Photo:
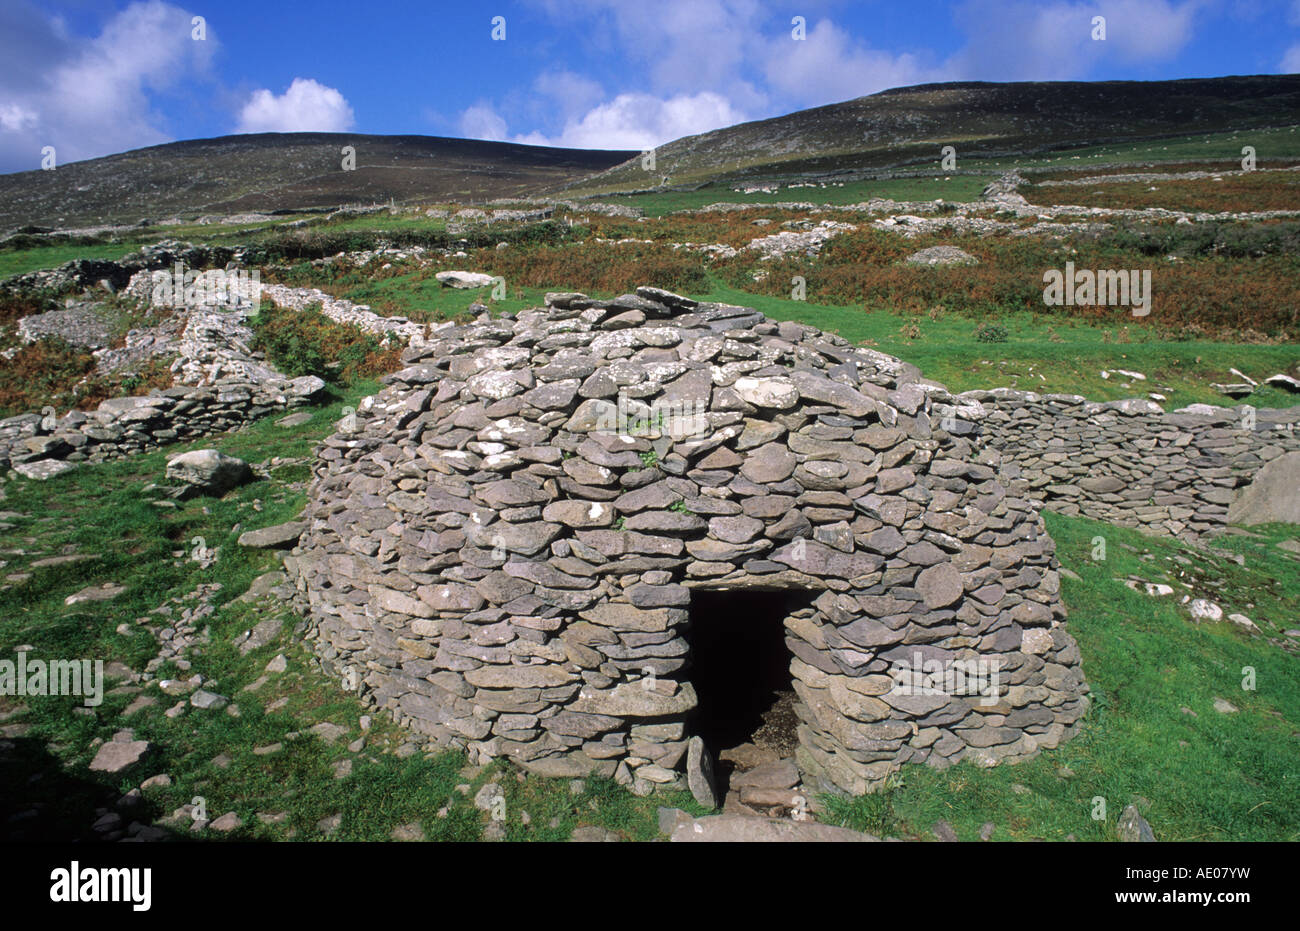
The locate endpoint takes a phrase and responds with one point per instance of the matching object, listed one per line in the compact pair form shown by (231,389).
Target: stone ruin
(520,546)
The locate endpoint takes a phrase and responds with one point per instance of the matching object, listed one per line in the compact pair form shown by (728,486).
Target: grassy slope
(1279,143)
(906,127)
(1270,145)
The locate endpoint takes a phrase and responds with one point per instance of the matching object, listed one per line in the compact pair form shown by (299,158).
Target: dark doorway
(740,667)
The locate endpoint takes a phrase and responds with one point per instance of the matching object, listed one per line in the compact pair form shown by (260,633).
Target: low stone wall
(1128,462)
(220,385)
(39,446)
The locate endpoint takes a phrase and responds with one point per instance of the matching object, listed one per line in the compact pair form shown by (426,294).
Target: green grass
(956,188)
(21,261)
(1280,143)
(1196,777)
(425,300)
(947,351)
(104,510)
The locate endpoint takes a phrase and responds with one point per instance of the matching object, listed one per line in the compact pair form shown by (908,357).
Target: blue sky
(92,77)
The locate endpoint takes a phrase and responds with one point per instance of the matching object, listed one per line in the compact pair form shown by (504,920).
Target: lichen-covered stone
(505,543)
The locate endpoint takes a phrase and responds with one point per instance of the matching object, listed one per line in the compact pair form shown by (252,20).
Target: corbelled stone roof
(502,545)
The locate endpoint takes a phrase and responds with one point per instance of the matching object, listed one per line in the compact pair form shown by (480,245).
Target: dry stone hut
(595,537)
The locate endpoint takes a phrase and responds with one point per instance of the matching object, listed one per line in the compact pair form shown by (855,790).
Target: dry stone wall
(1128,462)
(219,385)
(502,545)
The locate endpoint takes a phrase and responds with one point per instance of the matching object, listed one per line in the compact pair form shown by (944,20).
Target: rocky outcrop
(502,546)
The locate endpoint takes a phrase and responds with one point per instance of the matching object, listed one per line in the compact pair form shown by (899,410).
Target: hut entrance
(740,667)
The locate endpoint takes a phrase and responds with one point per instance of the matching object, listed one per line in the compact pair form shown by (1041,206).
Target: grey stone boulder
(942,255)
(43,469)
(306,387)
(294,420)
(1133,828)
(699,773)
(204,699)
(208,472)
(280,536)
(1285,382)
(1273,496)
(117,755)
(458,279)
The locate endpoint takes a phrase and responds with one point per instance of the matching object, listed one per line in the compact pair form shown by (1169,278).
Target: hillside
(907,126)
(283,171)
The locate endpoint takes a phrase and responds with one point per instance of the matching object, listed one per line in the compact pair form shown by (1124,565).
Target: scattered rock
(226,823)
(206,700)
(1133,828)
(590,834)
(280,536)
(943,831)
(117,755)
(459,279)
(410,831)
(106,591)
(208,472)
(942,255)
(43,469)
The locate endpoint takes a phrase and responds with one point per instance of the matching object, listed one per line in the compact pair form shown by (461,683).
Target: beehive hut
(584,535)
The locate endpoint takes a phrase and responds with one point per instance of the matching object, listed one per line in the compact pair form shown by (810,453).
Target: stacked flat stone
(499,557)
(220,385)
(127,426)
(1129,462)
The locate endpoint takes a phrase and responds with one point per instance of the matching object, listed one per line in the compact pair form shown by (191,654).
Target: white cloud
(482,122)
(681,46)
(1291,60)
(642,121)
(307,106)
(828,66)
(714,63)
(87,97)
(15,118)
(1031,41)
